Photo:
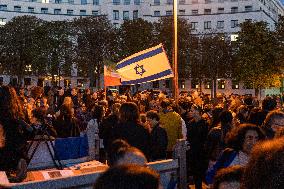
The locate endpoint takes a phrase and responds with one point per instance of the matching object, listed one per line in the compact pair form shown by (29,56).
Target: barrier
(168,169)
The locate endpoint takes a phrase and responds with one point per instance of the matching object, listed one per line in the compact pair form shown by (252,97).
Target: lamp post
(175,47)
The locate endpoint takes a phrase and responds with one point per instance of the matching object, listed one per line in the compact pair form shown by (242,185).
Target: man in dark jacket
(158,135)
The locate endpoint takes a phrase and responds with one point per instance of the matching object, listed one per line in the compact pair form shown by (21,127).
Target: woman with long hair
(15,133)
(130,129)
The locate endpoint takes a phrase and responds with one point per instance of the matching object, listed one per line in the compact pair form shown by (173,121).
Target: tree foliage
(96,42)
(257,55)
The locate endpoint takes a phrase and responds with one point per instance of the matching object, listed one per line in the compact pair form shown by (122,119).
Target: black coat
(158,143)
(135,134)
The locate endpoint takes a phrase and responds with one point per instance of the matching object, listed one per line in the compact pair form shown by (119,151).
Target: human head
(228,178)
(265,169)
(269,103)
(128,177)
(10,106)
(115,108)
(121,153)
(128,112)
(274,120)
(98,112)
(153,118)
(165,104)
(68,101)
(245,137)
(226,117)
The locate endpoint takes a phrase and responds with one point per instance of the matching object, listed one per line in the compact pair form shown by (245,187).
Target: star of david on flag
(148,65)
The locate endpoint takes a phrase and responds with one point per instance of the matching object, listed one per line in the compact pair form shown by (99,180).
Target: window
(71,1)
(181,12)
(169,13)
(156,2)
(234,0)
(181,84)
(181,2)
(234,37)
(169,2)
(95,13)
(234,23)
(235,84)
(83,12)
(155,84)
(135,14)
(234,9)
(194,1)
(248,8)
(193,25)
(220,10)
(194,84)
(116,2)
(27,81)
(126,2)
(116,15)
(207,84)
(194,12)
(220,24)
(125,15)
(167,83)
(207,25)
(31,9)
(157,13)
(44,1)
(116,25)
(32,0)
(221,83)
(17,8)
(83,2)
(58,1)
(44,10)
(3,7)
(57,11)
(248,20)
(3,21)
(96,2)
(70,12)
(221,1)
(136,2)
(207,1)
(207,11)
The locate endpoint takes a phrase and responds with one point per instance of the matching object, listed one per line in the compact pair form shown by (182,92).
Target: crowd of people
(234,141)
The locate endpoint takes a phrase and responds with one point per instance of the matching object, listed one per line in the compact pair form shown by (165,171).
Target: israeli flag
(148,65)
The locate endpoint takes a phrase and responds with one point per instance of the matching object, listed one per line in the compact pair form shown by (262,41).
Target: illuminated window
(3,21)
(234,37)
(221,84)
(235,84)
(194,84)
(181,84)
(45,1)
(207,84)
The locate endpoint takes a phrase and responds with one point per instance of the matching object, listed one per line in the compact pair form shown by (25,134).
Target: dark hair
(129,112)
(236,137)
(216,116)
(165,103)
(265,168)
(10,105)
(226,117)
(128,177)
(229,174)
(269,103)
(153,115)
(271,116)
(98,112)
(65,112)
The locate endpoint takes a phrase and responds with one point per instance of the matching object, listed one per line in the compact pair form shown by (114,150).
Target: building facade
(205,16)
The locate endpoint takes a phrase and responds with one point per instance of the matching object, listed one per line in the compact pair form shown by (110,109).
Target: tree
(164,34)
(134,36)
(257,55)
(211,58)
(17,45)
(96,41)
(55,49)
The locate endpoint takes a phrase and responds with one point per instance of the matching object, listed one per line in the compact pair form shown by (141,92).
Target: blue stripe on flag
(140,57)
(148,78)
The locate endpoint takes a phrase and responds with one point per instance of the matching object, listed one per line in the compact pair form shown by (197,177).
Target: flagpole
(175,54)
